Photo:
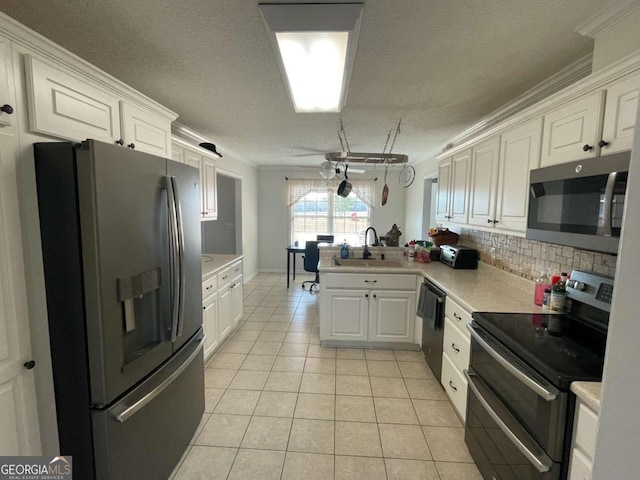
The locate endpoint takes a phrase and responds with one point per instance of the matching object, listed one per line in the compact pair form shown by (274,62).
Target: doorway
(429,204)
(224,235)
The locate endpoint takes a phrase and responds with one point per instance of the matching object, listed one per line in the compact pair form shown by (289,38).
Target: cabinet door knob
(602,143)
(366,295)
(6,108)
(489,220)
(132,145)
(375,296)
(587,147)
(120,142)
(495,221)
(30,364)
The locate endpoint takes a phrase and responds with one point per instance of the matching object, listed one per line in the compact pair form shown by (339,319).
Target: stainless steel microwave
(579,204)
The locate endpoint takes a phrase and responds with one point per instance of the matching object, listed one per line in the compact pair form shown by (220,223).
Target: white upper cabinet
(484,181)
(572,131)
(144,131)
(460,187)
(444,179)
(177,153)
(209,194)
(7,104)
(208,180)
(519,154)
(453,191)
(620,115)
(64,105)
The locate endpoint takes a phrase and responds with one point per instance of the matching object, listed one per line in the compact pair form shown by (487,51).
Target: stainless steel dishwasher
(431,310)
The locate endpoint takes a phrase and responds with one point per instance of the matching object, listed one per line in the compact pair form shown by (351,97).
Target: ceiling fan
(329,170)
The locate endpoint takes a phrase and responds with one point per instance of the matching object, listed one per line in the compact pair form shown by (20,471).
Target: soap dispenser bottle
(344,251)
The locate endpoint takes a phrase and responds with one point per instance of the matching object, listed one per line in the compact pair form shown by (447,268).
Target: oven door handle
(541,461)
(547,392)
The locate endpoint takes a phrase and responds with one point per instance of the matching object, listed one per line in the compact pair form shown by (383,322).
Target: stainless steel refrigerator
(122,263)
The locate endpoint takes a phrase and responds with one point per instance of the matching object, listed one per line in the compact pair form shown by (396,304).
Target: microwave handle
(608,203)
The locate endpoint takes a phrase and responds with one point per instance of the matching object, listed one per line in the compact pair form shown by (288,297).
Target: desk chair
(325,238)
(311,258)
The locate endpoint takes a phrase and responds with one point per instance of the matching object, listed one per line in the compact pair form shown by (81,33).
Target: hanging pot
(385,189)
(344,189)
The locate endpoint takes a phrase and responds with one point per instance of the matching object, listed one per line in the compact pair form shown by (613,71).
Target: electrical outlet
(492,251)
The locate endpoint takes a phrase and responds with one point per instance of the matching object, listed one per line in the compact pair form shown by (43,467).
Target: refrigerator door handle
(174,261)
(181,259)
(139,405)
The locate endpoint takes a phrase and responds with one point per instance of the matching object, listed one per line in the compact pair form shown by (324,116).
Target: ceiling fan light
(327,173)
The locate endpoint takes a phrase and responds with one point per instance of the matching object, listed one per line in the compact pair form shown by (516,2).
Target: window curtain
(363,189)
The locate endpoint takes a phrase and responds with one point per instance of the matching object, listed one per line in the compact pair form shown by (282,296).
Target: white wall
(414,200)
(618,441)
(273,223)
(617,42)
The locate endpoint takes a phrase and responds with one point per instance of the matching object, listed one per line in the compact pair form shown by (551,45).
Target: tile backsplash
(528,257)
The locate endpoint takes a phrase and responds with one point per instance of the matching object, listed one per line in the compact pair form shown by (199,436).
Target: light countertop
(213,262)
(485,289)
(589,393)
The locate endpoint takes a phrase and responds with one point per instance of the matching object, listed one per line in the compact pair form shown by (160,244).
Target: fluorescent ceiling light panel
(317,44)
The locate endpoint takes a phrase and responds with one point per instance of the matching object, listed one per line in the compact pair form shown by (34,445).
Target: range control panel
(592,289)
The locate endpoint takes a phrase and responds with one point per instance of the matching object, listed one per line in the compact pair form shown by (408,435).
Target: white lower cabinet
(391,316)
(384,314)
(210,324)
(222,305)
(226,316)
(348,311)
(583,443)
(236,299)
(456,353)
(455,385)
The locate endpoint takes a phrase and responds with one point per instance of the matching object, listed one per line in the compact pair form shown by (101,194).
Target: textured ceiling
(440,65)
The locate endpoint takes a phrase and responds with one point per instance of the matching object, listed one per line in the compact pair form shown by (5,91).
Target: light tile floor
(279,406)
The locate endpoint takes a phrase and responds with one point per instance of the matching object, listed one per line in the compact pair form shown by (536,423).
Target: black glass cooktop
(560,348)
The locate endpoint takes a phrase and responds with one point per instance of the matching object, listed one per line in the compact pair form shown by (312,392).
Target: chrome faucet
(366,253)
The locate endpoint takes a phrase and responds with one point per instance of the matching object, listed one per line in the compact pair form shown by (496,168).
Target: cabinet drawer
(586,430)
(580,467)
(458,316)
(371,281)
(209,287)
(226,276)
(456,345)
(455,385)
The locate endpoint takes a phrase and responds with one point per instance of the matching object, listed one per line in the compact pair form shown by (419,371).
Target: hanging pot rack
(346,155)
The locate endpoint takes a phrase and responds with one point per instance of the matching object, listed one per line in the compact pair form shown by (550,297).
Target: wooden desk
(292,251)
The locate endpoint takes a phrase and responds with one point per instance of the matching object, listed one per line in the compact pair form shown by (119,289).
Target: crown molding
(558,81)
(605,19)
(597,80)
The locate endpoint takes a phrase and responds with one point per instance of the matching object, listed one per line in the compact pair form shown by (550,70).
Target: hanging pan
(344,189)
(385,189)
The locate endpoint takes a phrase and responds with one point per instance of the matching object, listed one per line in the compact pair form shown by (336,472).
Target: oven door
(537,405)
(500,446)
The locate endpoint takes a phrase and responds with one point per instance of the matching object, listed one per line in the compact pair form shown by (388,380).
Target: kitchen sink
(368,262)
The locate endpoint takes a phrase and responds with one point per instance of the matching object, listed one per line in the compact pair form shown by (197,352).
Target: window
(316,210)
